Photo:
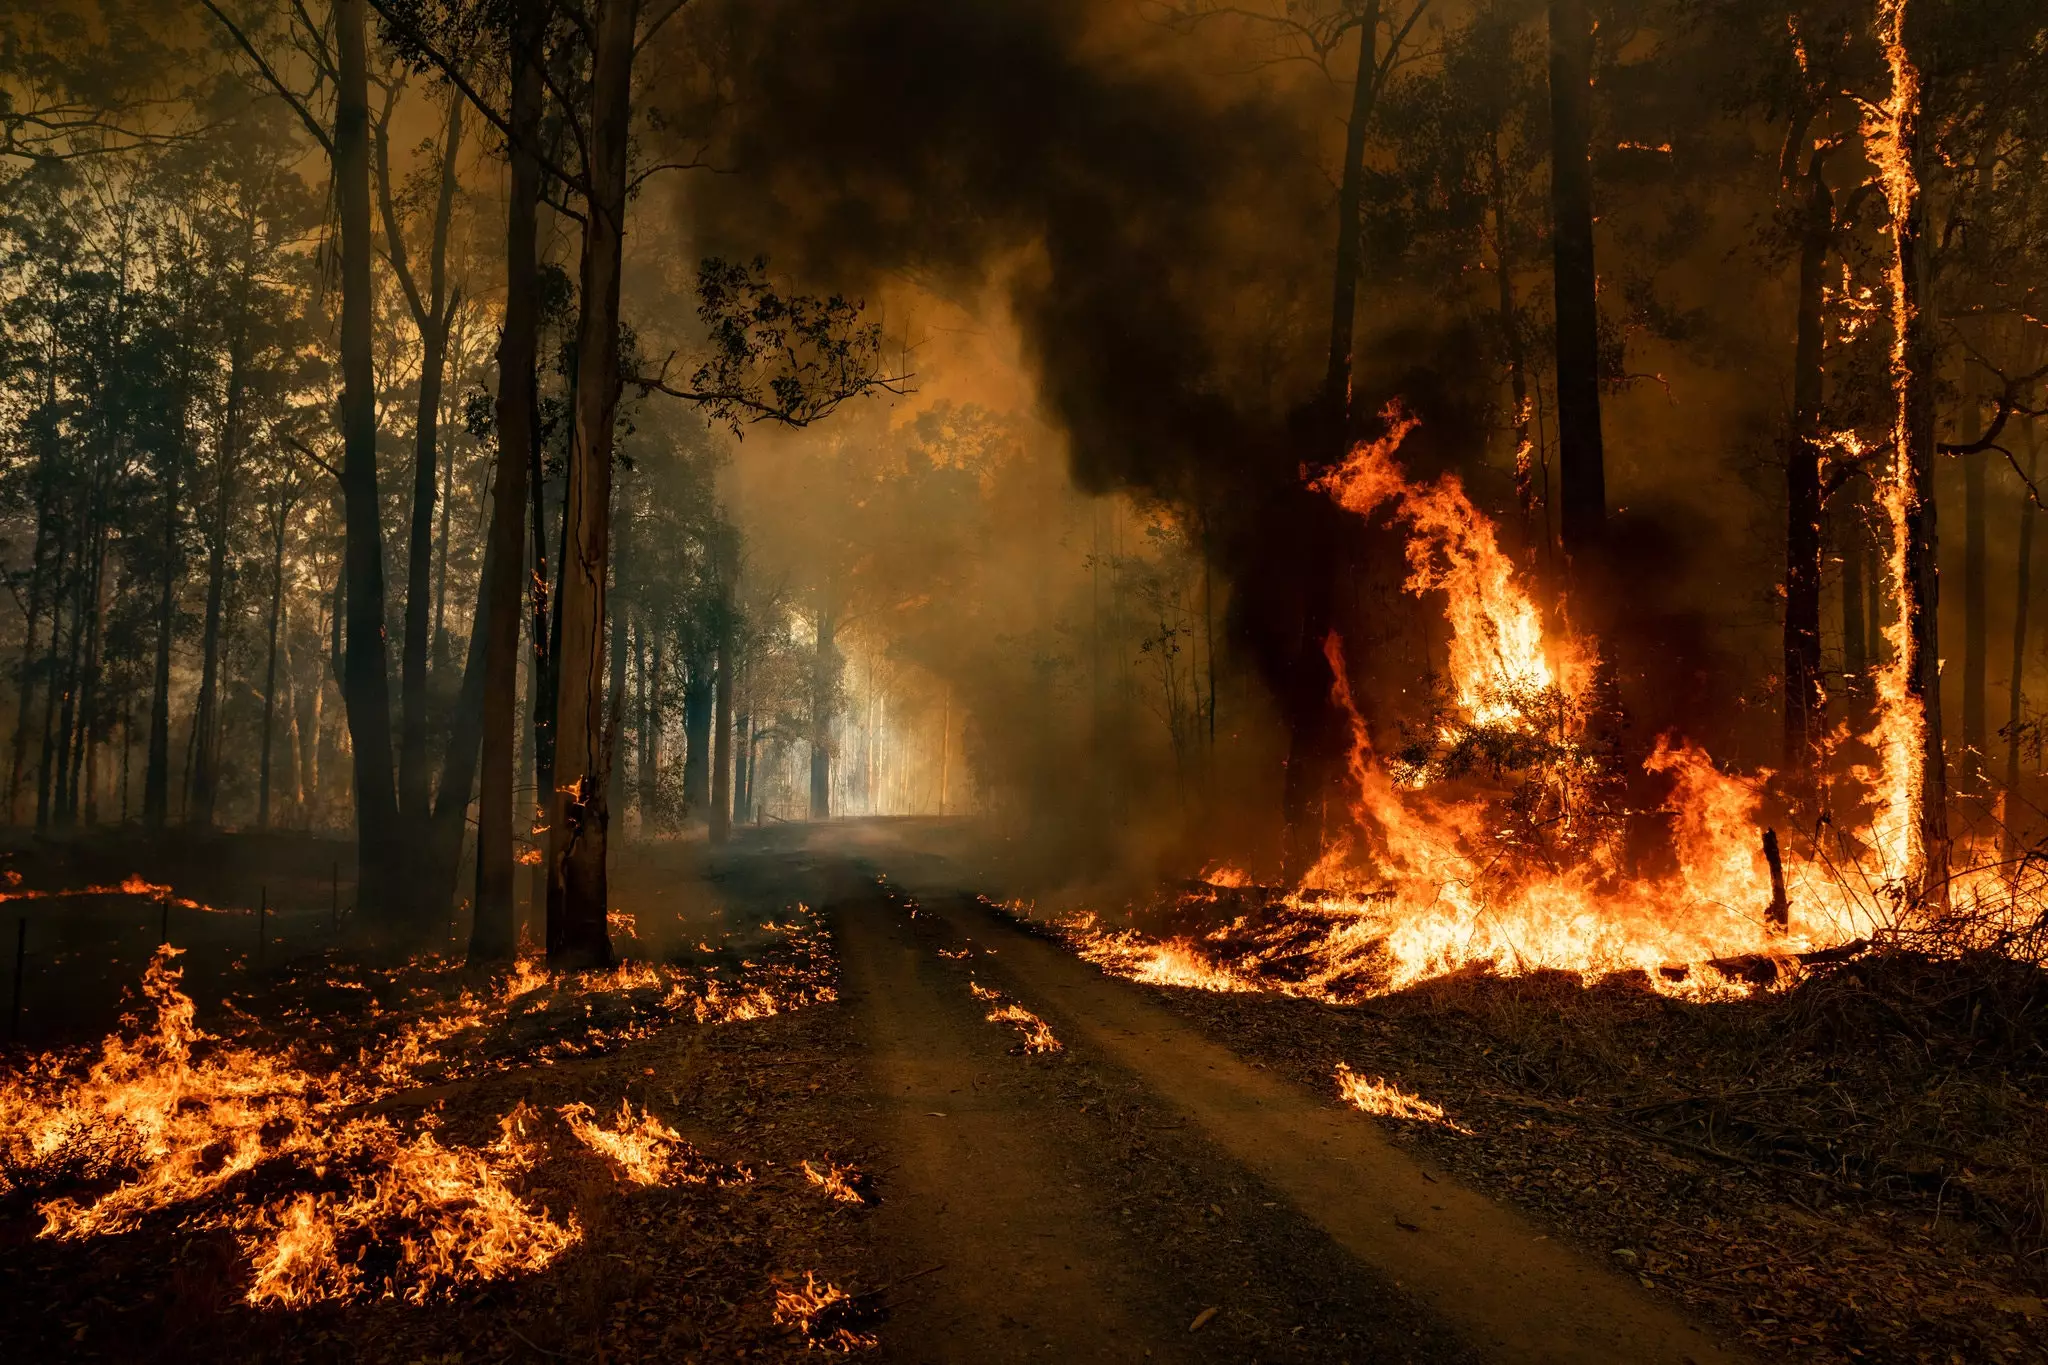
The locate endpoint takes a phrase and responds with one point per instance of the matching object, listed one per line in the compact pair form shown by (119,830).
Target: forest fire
(328,1198)
(1494,842)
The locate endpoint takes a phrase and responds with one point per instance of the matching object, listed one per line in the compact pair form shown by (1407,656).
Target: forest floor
(1022,1158)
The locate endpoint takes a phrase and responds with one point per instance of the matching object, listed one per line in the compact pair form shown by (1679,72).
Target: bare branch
(275,81)
(469,92)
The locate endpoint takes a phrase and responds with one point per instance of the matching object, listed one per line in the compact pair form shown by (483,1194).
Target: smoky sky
(1174,226)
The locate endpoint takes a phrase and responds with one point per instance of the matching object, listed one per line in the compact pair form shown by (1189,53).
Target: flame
(1383,1099)
(817,1311)
(1901,725)
(1448,865)
(1038,1037)
(841,1183)
(646,1150)
(1498,656)
(168,1118)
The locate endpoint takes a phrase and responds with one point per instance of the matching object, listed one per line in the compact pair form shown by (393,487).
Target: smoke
(1158,219)
(1163,238)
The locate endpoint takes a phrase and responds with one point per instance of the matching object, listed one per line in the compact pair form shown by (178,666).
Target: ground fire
(1000,680)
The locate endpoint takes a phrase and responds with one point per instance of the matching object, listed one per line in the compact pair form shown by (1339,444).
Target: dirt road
(1142,1193)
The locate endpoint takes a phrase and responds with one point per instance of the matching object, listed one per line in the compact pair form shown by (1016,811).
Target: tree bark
(577,934)
(494,926)
(1582,480)
(1805,710)
(366,688)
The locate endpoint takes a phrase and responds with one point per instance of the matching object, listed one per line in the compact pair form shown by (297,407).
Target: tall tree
(494,931)
(578,818)
(1582,478)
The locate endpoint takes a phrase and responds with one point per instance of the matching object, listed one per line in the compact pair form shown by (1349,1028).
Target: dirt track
(1098,1202)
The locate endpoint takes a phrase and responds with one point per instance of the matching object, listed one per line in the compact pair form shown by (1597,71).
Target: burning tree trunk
(494,927)
(1582,479)
(1916,779)
(578,818)
(1805,703)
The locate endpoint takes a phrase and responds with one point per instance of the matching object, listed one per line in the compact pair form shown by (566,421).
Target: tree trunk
(698,688)
(721,720)
(541,673)
(650,751)
(824,707)
(494,927)
(432,316)
(743,775)
(283,517)
(1310,715)
(206,767)
(577,933)
(25,677)
(366,688)
(1805,702)
(1856,626)
(615,690)
(1915,542)
(2022,586)
(1511,346)
(85,741)
(1582,480)
(643,728)
(440,851)
(1976,630)
(156,775)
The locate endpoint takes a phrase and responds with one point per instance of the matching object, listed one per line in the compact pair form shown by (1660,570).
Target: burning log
(1779,916)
